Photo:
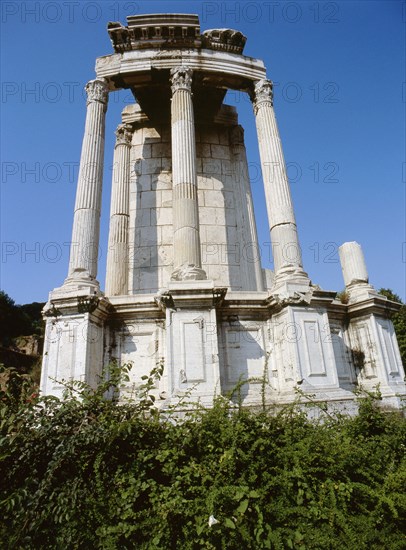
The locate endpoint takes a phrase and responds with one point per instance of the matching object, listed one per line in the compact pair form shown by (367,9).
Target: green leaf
(243,506)
(258,532)
(229,523)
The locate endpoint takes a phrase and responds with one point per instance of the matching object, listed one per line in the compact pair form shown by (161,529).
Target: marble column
(117,255)
(353,263)
(186,237)
(86,222)
(251,257)
(285,243)
(355,272)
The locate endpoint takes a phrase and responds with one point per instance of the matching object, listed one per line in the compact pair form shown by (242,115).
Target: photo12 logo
(67,12)
(270,12)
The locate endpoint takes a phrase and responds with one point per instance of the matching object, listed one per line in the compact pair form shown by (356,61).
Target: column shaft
(117,255)
(285,244)
(251,257)
(186,239)
(86,222)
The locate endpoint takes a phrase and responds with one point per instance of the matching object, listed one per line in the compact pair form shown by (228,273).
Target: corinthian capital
(97,90)
(263,92)
(123,134)
(181,78)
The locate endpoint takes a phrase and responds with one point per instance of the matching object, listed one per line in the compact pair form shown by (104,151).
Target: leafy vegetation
(21,336)
(18,320)
(91,472)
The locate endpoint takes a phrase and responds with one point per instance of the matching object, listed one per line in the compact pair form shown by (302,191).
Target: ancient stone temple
(184,286)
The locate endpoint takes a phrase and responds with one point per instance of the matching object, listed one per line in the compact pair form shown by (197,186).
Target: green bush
(16,320)
(90,472)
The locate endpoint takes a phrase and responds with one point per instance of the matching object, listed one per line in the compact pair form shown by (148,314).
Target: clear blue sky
(339,101)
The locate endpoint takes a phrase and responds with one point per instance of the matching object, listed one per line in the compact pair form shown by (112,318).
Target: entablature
(216,68)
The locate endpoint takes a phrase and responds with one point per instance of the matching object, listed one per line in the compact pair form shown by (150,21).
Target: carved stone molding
(155,31)
(123,134)
(237,135)
(277,302)
(88,304)
(164,300)
(181,78)
(219,295)
(228,40)
(263,92)
(97,90)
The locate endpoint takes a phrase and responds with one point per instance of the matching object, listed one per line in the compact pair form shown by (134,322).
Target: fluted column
(355,272)
(285,244)
(117,255)
(86,222)
(186,238)
(251,261)
(353,263)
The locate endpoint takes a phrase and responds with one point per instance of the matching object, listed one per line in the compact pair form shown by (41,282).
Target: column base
(289,280)
(188,272)
(359,292)
(79,282)
(290,272)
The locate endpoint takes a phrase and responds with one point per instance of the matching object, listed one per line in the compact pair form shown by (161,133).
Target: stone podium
(184,285)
